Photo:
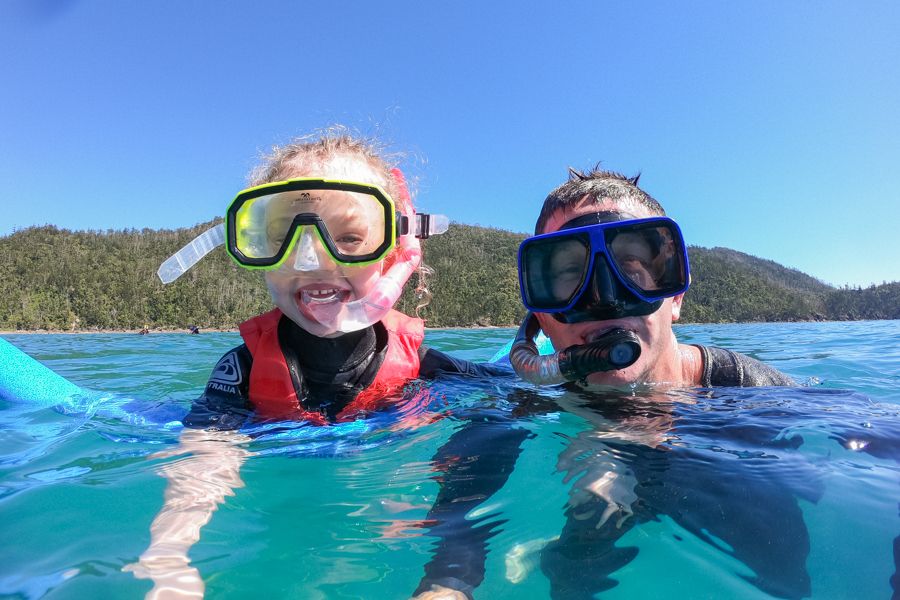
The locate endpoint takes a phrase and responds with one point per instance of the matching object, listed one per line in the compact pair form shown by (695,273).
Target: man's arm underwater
(471,467)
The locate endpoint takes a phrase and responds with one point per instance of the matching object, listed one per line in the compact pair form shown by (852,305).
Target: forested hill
(57,279)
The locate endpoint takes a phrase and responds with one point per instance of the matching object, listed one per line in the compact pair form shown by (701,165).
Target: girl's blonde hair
(308,155)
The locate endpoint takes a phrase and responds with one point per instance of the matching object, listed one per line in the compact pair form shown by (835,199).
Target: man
(604,259)
(604,277)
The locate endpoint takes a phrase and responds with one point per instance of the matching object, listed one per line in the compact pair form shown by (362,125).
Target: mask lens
(251,236)
(354,221)
(554,270)
(649,257)
(355,226)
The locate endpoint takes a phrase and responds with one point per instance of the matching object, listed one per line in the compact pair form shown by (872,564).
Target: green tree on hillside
(51,278)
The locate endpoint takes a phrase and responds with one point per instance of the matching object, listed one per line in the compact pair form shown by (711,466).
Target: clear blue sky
(770,127)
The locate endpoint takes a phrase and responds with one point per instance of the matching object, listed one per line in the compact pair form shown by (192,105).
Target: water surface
(341,515)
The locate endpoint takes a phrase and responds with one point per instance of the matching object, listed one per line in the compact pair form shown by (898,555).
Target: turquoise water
(718,491)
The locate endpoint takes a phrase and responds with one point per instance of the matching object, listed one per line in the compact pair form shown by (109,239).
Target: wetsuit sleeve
(434,362)
(225,402)
(725,368)
(472,466)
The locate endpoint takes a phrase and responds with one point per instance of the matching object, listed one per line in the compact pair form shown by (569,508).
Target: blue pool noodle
(25,380)
(543,343)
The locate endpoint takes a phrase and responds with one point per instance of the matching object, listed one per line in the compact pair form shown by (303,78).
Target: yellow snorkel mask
(356,223)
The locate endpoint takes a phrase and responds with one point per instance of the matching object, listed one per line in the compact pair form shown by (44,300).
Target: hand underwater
(173,577)
(600,474)
(439,592)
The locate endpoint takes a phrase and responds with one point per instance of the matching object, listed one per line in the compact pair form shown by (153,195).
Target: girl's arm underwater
(205,471)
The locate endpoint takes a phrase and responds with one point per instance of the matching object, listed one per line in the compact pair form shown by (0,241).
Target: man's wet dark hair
(599,184)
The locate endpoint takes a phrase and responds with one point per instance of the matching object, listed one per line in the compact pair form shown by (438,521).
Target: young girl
(332,226)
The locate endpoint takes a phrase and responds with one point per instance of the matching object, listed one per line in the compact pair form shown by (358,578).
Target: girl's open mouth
(321,302)
(323,295)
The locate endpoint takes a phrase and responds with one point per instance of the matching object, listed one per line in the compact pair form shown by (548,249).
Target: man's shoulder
(722,367)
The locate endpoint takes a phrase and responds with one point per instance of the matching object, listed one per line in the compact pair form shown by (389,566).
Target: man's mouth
(596,334)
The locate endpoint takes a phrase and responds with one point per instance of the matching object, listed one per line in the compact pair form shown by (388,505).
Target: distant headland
(59,280)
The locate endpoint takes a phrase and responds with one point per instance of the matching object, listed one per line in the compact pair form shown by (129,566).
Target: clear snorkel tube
(371,308)
(177,265)
(614,350)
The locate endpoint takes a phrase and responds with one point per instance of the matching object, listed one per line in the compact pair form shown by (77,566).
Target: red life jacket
(272,389)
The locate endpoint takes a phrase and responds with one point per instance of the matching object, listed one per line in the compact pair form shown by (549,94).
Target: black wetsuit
(333,372)
(724,368)
(759,517)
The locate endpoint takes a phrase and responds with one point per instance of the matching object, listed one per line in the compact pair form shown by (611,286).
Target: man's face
(658,344)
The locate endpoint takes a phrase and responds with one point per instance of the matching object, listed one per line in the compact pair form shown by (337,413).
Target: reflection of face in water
(355,222)
(639,259)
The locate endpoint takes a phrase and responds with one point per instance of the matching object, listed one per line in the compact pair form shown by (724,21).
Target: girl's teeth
(322,293)
(328,295)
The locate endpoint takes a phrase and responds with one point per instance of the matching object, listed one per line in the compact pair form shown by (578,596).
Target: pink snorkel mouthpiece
(371,308)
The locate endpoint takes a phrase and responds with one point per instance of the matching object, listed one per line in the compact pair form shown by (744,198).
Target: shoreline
(472,327)
(187,332)
(109,331)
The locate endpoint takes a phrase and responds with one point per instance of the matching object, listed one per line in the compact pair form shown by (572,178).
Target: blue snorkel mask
(600,266)
(597,267)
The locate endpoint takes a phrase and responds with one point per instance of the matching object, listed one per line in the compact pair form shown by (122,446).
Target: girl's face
(310,287)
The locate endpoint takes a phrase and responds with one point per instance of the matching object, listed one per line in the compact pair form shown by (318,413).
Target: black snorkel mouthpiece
(612,351)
